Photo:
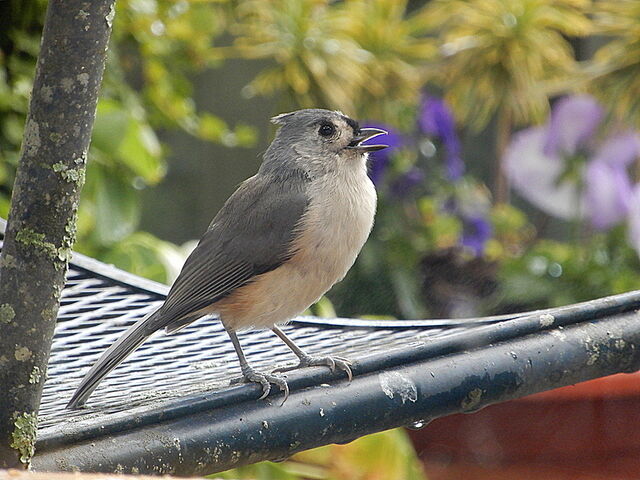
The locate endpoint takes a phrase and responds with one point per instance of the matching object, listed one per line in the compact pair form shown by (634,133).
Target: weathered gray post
(42,220)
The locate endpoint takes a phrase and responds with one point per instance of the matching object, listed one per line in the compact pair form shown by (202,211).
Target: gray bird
(284,238)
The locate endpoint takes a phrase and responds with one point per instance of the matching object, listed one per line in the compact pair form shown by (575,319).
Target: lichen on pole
(42,220)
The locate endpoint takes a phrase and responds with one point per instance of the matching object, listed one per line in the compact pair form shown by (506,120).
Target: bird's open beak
(363,135)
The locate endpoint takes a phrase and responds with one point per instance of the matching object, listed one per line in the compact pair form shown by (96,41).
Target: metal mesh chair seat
(170,407)
(95,311)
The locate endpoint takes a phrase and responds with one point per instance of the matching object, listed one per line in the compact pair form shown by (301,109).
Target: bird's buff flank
(284,238)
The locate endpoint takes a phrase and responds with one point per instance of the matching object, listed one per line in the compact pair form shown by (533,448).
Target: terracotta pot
(587,431)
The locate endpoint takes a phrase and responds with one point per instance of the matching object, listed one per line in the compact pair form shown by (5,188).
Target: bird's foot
(332,362)
(265,380)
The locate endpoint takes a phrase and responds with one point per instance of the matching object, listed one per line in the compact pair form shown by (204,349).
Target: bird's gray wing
(252,234)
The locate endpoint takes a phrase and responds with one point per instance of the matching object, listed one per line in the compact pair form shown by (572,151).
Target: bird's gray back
(252,234)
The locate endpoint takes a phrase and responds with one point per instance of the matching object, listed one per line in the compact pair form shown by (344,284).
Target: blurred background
(511,184)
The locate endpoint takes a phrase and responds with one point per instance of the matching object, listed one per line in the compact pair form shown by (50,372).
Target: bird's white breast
(337,224)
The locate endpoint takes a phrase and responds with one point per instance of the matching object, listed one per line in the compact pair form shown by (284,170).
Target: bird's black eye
(326,130)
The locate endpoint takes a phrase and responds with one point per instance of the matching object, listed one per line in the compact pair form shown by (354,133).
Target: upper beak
(365,134)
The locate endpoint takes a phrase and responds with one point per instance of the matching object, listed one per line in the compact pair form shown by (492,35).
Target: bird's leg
(250,375)
(309,361)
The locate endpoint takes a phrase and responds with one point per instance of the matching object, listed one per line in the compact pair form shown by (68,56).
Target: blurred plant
(398,51)
(388,455)
(498,55)
(445,251)
(512,47)
(352,55)
(469,201)
(156,45)
(437,121)
(315,65)
(570,172)
(616,65)
(552,273)
(497,60)
(575,168)
(340,55)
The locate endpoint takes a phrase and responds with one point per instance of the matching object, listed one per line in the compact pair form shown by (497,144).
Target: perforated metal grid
(95,310)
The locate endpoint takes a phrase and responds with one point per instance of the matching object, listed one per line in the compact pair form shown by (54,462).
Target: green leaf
(324,308)
(117,208)
(147,256)
(246,135)
(110,126)
(140,151)
(128,141)
(407,293)
(386,455)
(211,127)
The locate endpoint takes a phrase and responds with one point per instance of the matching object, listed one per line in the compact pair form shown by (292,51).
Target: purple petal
(573,121)
(535,175)
(407,182)
(634,219)
(435,117)
(437,120)
(475,233)
(379,161)
(393,138)
(608,193)
(455,166)
(377,168)
(619,150)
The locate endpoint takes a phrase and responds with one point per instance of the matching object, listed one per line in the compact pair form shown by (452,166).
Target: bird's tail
(113,356)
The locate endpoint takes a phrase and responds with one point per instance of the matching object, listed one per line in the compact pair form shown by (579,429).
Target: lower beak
(363,135)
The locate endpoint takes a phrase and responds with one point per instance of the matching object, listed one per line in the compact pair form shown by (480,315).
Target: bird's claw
(265,380)
(340,363)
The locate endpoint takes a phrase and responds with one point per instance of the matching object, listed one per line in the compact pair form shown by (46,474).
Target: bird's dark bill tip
(367,148)
(373,148)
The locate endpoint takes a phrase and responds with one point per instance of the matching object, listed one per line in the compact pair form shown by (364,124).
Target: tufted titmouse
(284,238)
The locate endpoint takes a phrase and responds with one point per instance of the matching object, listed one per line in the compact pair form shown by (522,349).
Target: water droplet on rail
(418,424)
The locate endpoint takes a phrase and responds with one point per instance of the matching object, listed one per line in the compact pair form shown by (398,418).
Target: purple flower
(476,230)
(608,188)
(573,121)
(471,205)
(607,195)
(437,120)
(619,150)
(634,219)
(380,160)
(541,164)
(407,182)
(537,176)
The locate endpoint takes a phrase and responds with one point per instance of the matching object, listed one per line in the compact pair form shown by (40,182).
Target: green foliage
(497,55)
(156,45)
(553,273)
(387,455)
(313,61)
(143,254)
(617,63)
(343,55)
